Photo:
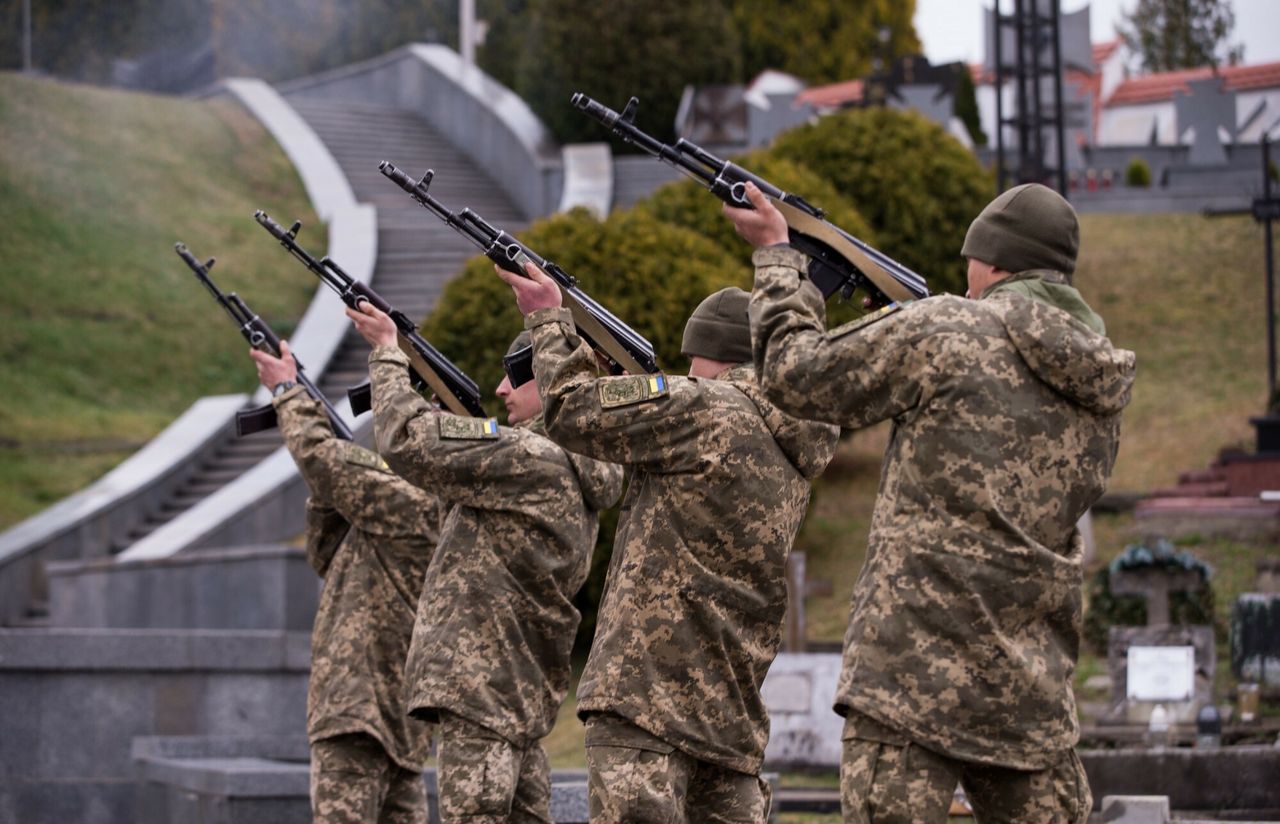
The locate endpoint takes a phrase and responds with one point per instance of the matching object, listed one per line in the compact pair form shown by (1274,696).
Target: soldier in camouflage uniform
(694,601)
(966,617)
(495,627)
(367,754)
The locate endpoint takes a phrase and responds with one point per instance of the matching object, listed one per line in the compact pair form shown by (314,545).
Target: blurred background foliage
(543,49)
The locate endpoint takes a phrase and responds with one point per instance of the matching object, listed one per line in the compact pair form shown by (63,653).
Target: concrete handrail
(484,119)
(102,512)
(588,178)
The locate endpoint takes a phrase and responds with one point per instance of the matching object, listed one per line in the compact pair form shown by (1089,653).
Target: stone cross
(1155,585)
(1208,108)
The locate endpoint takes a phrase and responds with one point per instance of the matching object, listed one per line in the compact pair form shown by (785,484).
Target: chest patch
(456,427)
(866,320)
(359,456)
(631,389)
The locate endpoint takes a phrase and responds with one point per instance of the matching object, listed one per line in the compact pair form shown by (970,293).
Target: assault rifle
(261,337)
(624,348)
(839,262)
(428,368)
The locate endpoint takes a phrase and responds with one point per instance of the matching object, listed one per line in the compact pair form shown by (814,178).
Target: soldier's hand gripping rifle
(428,368)
(839,262)
(623,347)
(261,337)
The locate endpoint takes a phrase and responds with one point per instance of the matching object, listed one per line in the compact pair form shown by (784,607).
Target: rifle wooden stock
(839,262)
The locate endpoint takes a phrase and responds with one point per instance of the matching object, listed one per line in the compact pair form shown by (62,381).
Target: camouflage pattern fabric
(637,778)
(695,596)
(965,621)
(484,779)
(354,782)
(496,622)
(885,779)
(372,582)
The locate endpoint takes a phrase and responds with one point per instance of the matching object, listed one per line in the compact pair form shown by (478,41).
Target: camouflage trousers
(485,779)
(637,778)
(354,781)
(886,779)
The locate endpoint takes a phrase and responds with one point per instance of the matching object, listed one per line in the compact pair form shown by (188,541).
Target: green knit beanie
(522,340)
(718,329)
(1028,227)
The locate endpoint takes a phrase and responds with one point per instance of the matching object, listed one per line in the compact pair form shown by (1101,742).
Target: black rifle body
(839,262)
(261,337)
(624,348)
(427,366)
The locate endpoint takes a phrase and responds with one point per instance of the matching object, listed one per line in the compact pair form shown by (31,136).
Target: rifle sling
(424,370)
(821,230)
(592,328)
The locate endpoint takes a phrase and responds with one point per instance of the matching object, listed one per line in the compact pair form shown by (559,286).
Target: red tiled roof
(833,95)
(1157,88)
(1102,51)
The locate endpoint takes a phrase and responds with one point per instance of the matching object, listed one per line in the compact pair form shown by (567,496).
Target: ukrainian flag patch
(456,427)
(631,389)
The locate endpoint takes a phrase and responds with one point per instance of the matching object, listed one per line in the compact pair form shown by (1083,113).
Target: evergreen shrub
(1137,173)
(917,185)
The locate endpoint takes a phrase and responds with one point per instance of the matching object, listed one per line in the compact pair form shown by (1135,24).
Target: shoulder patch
(359,456)
(632,389)
(457,427)
(867,319)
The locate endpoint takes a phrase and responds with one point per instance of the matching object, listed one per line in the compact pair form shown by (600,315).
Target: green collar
(1053,288)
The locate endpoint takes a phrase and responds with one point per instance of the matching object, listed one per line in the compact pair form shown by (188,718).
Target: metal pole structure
(1271,304)
(1036,30)
(998,28)
(467,32)
(1019,22)
(1055,9)
(26,35)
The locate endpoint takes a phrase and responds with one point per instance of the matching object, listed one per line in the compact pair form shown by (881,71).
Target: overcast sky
(952,29)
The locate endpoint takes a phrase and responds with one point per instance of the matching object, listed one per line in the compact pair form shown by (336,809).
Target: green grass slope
(105,335)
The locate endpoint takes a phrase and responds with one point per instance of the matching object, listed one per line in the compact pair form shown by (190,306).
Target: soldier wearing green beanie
(692,613)
(962,640)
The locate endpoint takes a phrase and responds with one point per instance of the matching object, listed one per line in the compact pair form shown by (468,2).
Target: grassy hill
(105,335)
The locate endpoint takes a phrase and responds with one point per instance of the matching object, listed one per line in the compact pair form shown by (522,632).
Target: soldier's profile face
(979,275)
(523,402)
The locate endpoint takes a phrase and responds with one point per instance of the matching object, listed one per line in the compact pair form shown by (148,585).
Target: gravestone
(1161,663)
(1208,109)
(1255,628)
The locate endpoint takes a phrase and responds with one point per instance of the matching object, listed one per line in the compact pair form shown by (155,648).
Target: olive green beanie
(522,340)
(718,329)
(1028,227)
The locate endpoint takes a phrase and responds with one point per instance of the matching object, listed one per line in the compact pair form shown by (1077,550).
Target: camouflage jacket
(496,623)
(372,580)
(695,597)
(965,619)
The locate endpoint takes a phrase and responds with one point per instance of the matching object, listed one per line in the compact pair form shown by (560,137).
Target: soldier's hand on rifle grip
(374,325)
(537,291)
(762,226)
(272,370)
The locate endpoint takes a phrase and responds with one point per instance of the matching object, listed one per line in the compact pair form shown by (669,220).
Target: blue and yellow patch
(632,389)
(456,427)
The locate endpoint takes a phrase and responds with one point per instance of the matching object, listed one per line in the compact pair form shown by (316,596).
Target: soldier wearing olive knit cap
(965,624)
